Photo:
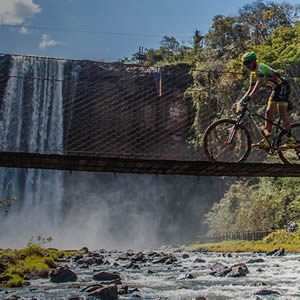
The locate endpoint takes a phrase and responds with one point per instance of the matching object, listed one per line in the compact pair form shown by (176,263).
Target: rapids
(184,279)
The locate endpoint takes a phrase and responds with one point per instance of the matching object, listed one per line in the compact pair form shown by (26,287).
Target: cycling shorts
(280,95)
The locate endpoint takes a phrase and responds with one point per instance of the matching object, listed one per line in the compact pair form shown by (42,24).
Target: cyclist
(260,75)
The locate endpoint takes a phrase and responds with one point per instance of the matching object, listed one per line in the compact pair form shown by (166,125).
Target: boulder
(219,270)
(62,274)
(238,270)
(84,250)
(154,254)
(5,278)
(92,287)
(266,293)
(139,257)
(122,289)
(12,297)
(106,276)
(90,261)
(167,258)
(276,252)
(255,260)
(186,276)
(77,256)
(132,265)
(109,292)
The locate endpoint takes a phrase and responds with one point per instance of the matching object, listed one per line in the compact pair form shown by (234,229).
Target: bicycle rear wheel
(225,141)
(292,155)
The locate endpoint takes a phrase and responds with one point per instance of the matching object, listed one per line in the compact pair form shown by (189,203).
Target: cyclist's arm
(246,96)
(253,88)
(256,87)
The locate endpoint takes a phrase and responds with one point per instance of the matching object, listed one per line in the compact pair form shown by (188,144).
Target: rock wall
(121,110)
(111,109)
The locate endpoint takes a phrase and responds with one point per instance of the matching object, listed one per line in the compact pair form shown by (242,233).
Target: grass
(32,261)
(279,239)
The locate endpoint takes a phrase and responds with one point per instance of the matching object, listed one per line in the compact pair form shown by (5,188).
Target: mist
(111,211)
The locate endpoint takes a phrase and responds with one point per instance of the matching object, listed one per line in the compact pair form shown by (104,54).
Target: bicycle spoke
(225,141)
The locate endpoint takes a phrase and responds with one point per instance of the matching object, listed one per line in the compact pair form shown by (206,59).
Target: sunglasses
(248,62)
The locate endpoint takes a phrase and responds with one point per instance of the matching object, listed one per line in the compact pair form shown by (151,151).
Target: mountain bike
(229,140)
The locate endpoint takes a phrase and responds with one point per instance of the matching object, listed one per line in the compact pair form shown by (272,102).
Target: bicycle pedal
(260,147)
(293,147)
(255,147)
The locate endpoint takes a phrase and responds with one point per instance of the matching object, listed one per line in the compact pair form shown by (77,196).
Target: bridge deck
(143,166)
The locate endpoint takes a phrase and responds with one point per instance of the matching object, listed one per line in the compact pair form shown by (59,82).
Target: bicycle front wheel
(290,155)
(226,141)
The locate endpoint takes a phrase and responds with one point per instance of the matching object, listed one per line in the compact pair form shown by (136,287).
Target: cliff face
(61,106)
(5,64)
(107,109)
(124,110)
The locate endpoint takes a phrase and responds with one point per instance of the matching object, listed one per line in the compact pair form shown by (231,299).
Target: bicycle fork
(233,132)
(232,136)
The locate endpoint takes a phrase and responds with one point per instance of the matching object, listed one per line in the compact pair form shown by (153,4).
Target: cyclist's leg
(283,113)
(284,116)
(282,98)
(270,114)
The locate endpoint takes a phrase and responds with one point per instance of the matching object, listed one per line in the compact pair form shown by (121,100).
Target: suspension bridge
(107,117)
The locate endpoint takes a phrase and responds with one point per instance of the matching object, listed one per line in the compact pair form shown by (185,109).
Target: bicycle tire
(214,142)
(290,156)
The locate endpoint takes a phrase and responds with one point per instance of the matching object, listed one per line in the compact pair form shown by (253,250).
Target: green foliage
(227,36)
(169,43)
(33,261)
(279,239)
(273,32)
(269,203)
(262,18)
(39,241)
(283,237)
(5,204)
(197,40)
(16,281)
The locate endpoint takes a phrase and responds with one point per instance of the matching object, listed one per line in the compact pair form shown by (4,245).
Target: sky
(106,30)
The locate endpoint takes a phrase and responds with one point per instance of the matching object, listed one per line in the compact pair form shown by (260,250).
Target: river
(185,278)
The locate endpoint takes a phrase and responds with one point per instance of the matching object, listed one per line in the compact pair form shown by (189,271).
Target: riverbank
(20,265)
(290,241)
(163,274)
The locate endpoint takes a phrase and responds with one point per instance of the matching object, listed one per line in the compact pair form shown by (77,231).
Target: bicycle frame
(231,140)
(251,115)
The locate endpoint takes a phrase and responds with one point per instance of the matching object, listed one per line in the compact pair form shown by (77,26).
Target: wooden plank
(143,166)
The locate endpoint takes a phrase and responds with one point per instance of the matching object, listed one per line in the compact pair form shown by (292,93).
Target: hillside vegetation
(34,261)
(272,30)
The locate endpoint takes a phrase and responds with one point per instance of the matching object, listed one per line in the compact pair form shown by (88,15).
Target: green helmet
(249,56)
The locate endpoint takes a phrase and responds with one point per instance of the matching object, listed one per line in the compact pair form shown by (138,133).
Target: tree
(270,202)
(227,36)
(169,43)
(262,18)
(197,39)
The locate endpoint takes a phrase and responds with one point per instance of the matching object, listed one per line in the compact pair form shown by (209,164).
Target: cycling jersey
(271,77)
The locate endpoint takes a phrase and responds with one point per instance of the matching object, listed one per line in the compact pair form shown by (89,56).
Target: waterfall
(31,120)
(43,102)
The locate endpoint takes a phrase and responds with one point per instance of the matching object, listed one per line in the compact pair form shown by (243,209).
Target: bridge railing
(244,235)
(55,106)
